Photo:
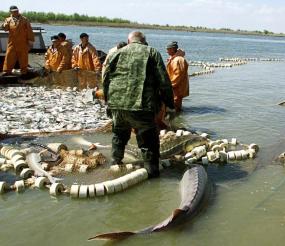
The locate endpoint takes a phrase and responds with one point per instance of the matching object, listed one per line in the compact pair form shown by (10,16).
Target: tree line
(43,17)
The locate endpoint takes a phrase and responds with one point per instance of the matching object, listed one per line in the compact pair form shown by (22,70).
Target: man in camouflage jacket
(135,85)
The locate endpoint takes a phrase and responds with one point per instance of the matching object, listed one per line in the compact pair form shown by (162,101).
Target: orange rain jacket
(20,36)
(57,59)
(86,59)
(68,46)
(177,68)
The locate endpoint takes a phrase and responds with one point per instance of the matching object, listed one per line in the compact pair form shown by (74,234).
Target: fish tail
(112,236)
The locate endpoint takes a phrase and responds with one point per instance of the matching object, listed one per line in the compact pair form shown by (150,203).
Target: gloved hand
(170,113)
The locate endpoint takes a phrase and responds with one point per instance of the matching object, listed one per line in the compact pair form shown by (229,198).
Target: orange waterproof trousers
(12,56)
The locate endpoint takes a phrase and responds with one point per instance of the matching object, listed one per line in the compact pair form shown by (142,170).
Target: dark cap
(82,35)
(61,35)
(13,8)
(54,38)
(172,44)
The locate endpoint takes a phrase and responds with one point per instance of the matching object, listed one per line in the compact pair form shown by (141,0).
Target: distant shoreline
(161,27)
(85,20)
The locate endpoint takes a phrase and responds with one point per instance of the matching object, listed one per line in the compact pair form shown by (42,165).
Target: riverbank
(165,27)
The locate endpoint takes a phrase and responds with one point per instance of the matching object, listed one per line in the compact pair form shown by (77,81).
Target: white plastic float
(41,182)
(100,190)
(19,185)
(74,191)
(83,191)
(91,191)
(109,187)
(56,189)
(217,151)
(27,173)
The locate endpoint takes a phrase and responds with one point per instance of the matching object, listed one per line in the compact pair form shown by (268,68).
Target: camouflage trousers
(146,134)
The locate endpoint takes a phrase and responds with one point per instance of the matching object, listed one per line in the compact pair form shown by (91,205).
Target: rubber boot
(151,163)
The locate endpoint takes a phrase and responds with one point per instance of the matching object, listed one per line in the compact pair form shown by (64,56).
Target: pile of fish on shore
(43,109)
(36,110)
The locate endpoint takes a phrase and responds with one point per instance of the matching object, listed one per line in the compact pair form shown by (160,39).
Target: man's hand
(6,25)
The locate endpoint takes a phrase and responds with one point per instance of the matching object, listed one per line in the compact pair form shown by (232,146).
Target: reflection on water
(241,102)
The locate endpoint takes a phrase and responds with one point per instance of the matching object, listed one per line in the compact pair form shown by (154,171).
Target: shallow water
(248,205)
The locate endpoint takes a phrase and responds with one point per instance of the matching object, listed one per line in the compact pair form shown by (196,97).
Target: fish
(172,145)
(24,110)
(195,190)
(33,159)
(181,144)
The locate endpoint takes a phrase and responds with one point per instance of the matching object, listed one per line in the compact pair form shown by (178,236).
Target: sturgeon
(175,145)
(181,144)
(195,190)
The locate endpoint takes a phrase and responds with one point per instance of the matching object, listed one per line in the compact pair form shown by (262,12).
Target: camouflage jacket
(135,79)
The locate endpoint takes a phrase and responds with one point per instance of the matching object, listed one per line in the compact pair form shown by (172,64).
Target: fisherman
(135,83)
(67,45)
(177,68)
(85,56)
(20,41)
(112,50)
(56,56)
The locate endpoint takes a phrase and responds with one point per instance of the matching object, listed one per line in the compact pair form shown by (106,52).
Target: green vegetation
(77,19)
(50,17)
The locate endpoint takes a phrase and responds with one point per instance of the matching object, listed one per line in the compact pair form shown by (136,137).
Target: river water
(247,207)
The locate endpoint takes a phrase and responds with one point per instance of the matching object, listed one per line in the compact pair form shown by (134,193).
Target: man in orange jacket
(67,45)
(85,56)
(177,68)
(21,38)
(56,57)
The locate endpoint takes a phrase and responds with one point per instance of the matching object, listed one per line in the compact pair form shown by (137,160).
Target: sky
(235,14)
